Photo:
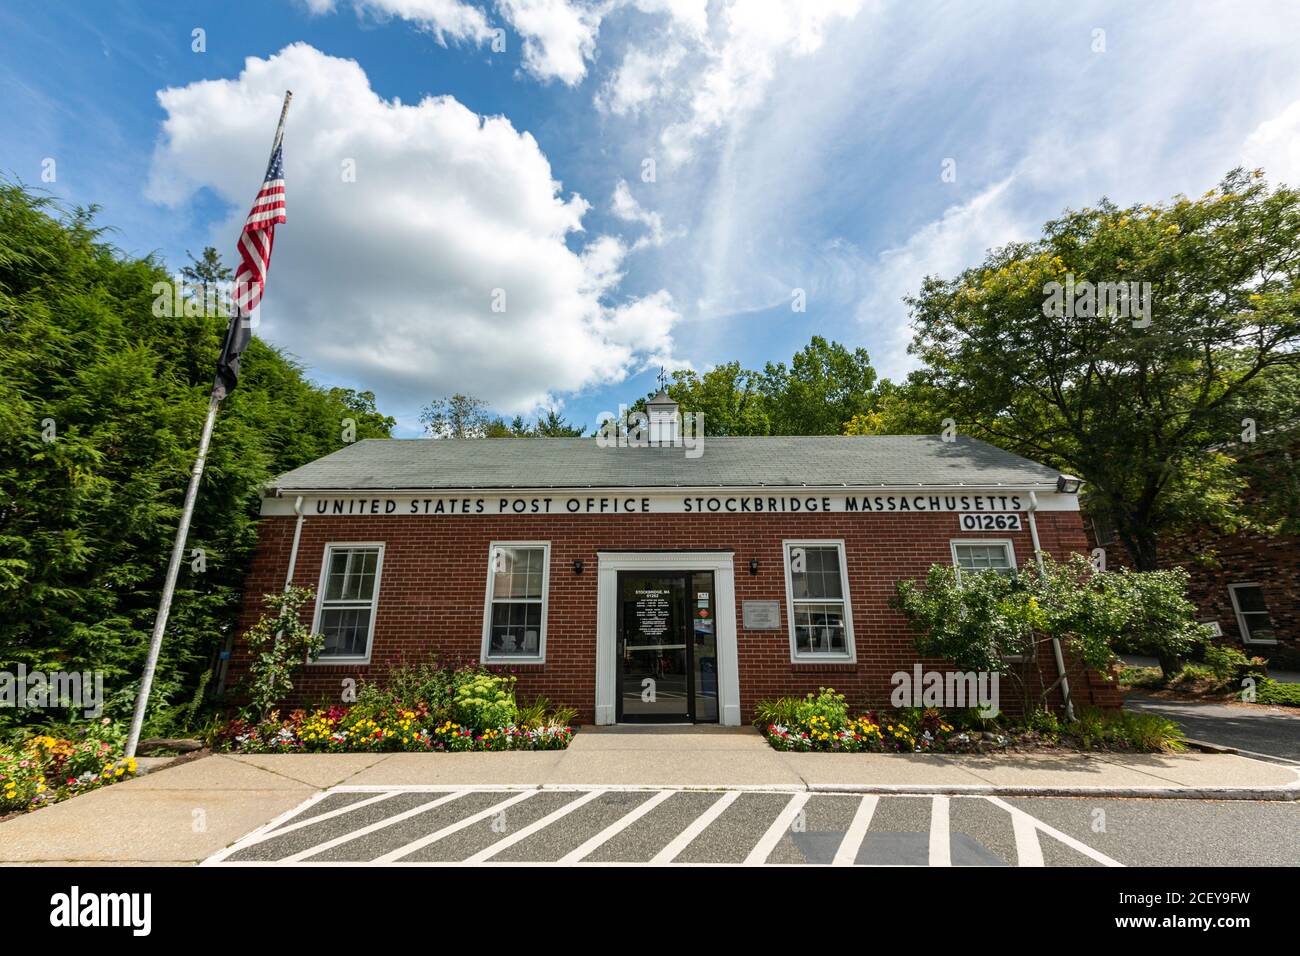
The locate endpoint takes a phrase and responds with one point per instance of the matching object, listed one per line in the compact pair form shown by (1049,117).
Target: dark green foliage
(101,405)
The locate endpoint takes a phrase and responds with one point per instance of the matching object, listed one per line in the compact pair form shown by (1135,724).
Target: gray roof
(815,461)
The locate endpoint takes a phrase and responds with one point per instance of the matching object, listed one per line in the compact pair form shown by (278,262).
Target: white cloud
(946,246)
(559,36)
(442,18)
(641,79)
(1274,145)
(756,34)
(645,327)
(626,207)
(389,279)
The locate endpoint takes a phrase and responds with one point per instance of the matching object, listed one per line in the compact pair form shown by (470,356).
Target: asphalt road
(1253,728)
(589,826)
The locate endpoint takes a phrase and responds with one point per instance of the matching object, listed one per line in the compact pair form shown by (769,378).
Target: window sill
(340,662)
(805,665)
(508,662)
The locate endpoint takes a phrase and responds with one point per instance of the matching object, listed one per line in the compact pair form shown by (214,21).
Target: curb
(1286,792)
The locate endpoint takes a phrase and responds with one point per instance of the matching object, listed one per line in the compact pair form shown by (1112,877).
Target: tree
(1127,346)
(460,416)
(553,425)
(101,405)
(464,416)
(825,386)
(210,275)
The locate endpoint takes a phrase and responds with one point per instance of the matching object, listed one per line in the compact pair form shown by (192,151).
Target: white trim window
(347,601)
(987,554)
(1253,621)
(514,613)
(983,554)
(817,601)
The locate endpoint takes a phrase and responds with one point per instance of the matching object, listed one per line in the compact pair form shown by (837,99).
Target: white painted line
(684,838)
(614,829)
(503,844)
(852,842)
(371,828)
(289,828)
(1028,850)
(940,848)
(780,826)
(448,830)
(1065,838)
(253,837)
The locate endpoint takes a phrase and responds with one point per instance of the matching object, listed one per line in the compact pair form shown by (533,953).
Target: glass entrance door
(667,647)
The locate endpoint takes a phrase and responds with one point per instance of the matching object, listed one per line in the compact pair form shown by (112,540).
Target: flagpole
(173,569)
(187,514)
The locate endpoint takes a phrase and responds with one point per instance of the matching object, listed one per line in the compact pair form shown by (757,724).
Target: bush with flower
(821,722)
(47,767)
(426,709)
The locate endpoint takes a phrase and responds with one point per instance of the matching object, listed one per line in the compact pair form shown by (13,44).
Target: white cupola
(665,420)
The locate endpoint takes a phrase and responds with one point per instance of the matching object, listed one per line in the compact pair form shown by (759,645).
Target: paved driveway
(411,826)
(1250,728)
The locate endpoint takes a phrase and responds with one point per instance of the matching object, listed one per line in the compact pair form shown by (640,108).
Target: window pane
(819,628)
(351,574)
(518,573)
(345,630)
(516,629)
(1251,599)
(1259,627)
(815,572)
(983,557)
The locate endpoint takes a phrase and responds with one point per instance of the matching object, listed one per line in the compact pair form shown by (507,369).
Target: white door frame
(609,563)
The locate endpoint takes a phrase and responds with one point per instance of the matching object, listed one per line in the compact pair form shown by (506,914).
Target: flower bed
(821,723)
(46,768)
(363,730)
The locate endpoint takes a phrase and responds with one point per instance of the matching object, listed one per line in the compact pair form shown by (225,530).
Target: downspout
(1062,679)
(288,582)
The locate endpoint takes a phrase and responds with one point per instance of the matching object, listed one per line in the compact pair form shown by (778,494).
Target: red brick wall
(1214,561)
(432,593)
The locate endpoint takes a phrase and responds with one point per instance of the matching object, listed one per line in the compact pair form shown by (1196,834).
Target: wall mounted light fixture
(577,565)
(753,565)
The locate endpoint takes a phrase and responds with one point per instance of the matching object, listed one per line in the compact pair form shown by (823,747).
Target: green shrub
(1269,691)
(783,711)
(826,705)
(1141,677)
(484,701)
(1126,730)
(280,644)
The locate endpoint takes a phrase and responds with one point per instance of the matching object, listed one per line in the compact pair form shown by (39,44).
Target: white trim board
(721,563)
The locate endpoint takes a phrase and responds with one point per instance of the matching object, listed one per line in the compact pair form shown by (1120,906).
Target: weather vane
(662,377)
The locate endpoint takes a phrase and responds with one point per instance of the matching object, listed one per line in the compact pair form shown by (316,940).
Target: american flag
(255,241)
(259,234)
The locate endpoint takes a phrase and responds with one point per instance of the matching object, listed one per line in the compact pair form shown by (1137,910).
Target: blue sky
(794,147)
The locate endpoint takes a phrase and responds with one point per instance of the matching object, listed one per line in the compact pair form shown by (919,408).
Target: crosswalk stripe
(940,846)
(532,828)
(767,843)
(683,839)
(451,828)
(847,854)
(1065,838)
(378,825)
(615,828)
(299,824)
(1028,850)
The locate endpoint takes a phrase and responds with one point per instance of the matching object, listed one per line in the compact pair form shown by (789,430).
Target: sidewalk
(186,813)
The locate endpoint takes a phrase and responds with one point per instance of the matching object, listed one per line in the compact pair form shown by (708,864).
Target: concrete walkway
(186,813)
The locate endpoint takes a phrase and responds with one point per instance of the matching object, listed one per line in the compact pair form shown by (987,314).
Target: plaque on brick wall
(761,615)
